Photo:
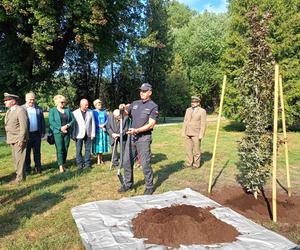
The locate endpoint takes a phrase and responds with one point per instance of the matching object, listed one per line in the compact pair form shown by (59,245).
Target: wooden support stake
(216,136)
(274,205)
(285,137)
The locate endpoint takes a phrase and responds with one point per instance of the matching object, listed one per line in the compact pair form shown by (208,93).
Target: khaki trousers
(19,154)
(193,153)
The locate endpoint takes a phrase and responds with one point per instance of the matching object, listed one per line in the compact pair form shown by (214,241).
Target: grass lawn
(36,214)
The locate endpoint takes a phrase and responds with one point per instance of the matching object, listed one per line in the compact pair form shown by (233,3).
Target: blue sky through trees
(216,6)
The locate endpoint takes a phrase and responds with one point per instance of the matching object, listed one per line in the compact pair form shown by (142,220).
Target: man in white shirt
(84,132)
(36,129)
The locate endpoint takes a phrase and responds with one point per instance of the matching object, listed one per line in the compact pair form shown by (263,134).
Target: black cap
(146,86)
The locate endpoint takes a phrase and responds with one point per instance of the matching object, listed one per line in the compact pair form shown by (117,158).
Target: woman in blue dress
(101,141)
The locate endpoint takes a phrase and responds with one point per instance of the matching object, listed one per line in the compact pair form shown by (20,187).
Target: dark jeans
(34,143)
(87,141)
(139,145)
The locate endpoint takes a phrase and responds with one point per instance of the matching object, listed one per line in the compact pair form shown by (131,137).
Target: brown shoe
(15,182)
(185,166)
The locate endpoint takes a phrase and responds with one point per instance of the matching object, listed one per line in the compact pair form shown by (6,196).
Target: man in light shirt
(36,129)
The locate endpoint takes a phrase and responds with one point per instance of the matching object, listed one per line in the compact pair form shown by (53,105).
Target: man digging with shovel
(113,129)
(144,114)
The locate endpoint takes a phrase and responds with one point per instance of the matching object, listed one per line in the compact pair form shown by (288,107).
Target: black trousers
(141,146)
(34,144)
(115,157)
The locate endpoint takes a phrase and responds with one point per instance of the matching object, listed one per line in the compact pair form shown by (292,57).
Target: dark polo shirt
(140,112)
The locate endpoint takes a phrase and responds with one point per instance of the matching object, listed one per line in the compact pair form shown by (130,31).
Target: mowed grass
(37,213)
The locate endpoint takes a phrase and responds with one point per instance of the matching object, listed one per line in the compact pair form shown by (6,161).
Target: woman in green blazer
(61,122)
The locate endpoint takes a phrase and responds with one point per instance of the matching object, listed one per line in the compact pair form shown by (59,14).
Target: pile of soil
(182,225)
(260,210)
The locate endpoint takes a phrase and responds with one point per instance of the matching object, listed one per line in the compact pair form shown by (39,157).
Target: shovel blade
(121,179)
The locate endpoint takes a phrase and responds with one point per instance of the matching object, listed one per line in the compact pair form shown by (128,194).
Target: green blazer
(55,122)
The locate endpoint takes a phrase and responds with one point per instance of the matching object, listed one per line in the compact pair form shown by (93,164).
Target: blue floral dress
(101,141)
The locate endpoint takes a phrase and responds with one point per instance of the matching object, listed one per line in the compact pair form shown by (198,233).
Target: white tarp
(107,224)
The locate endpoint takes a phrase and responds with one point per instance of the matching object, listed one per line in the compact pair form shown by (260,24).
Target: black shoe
(88,166)
(28,171)
(80,167)
(124,189)
(148,191)
(37,170)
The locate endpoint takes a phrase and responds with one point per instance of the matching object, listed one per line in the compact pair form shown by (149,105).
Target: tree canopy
(284,40)
(107,48)
(35,35)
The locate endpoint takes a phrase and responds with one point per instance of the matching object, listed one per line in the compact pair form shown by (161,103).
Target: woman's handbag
(50,138)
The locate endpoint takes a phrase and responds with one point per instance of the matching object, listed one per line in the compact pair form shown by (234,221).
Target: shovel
(120,176)
(113,153)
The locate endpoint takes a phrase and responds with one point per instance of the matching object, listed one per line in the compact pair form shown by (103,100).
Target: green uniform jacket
(16,124)
(194,123)
(55,122)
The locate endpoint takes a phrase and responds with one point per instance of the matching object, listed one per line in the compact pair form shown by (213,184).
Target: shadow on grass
(205,156)
(162,174)
(7,178)
(219,174)
(106,158)
(158,157)
(53,167)
(5,150)
(294,128)
(2,155)
(234,126)
(15,194)
(25,210)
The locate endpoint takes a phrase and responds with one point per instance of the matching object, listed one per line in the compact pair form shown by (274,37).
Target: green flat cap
(8,96)
(195,98)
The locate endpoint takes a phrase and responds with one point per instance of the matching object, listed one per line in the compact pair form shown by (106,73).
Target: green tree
(179,15)
(256,94)
(34,35)
(157,54)
(177,85)
(201,45)
(124,88)
(284,40)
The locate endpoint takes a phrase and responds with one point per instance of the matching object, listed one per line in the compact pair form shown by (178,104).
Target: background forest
(107,48)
